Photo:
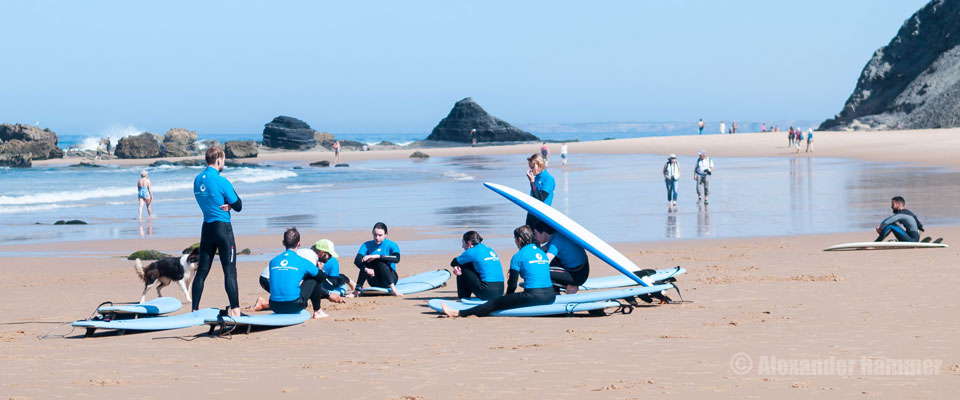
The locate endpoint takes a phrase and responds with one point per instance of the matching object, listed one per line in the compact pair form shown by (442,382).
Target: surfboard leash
(95,314)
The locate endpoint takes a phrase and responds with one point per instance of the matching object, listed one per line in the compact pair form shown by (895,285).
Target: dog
(161,273)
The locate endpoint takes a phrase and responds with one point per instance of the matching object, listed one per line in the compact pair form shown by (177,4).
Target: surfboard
(569,228)
(884,246)
(416,283)
(261,320)
(194,318)
(157,306)
(615,281)
(587,297)
(534,311)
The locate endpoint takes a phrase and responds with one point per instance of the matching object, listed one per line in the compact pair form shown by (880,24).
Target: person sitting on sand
(531,264)
(293,280)
(542,184)
(904,224)
(478,269)
(144,195)
(321,253)
(569,267)
(377,260)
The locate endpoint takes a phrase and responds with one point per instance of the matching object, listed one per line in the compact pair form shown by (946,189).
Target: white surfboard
(569,228)
(884,246)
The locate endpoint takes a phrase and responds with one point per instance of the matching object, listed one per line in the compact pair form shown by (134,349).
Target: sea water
(621,198)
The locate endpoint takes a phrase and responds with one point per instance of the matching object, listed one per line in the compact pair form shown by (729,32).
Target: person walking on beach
(530,263)
(700,126)
(798,139)
(216,197)
(723,128)
(569,266)
(336,152)
(701,175)
(542,184)
(473,136)
(671,174)
(563,153)
(144,195)
(478,269)
(904,224)
(545,152)
(734,127)
(790,137)
(377,260)
(809,141)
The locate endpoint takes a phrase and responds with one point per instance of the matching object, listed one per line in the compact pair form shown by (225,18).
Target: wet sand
(748,299)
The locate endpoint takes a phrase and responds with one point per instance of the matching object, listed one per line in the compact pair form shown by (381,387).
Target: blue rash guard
(485,262)
(532,264)
(570,254)
(385,248)
(212,191)
(544,182)
(286,272)
(332,267)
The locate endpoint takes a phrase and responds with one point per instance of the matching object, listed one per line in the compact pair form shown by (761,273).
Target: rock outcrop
(16,160)
(467,115)
(240,148)
(28,141)
(179,142)
(914,81)
(144,145)
(289,133)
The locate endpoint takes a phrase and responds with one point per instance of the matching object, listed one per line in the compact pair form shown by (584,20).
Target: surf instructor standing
(216,197)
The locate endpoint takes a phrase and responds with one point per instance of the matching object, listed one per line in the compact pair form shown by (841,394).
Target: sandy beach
(759,312)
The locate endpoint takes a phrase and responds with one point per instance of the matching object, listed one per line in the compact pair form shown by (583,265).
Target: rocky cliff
(289,133)
(467,115)
(914,81)
(29,141)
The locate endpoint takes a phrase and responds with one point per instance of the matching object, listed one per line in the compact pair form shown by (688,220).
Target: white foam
(457,176)
(309,187)
(255,175)
(115,133)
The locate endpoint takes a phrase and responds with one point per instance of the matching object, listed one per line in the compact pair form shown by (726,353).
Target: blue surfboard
(416,283)
(194,318)
(533,311)
(271,319)
(586,297)
(615,281)
(569,228)
(157,306)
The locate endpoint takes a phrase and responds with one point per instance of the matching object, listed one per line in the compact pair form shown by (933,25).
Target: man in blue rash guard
(216,197)
(377,260)
(478,269)
(569,266)
(294,280)
(904,224)
(542,184)
(531,264)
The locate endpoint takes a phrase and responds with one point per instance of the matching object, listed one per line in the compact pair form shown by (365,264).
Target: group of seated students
(294,277)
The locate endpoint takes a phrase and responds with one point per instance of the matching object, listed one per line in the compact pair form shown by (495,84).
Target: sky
(399,66)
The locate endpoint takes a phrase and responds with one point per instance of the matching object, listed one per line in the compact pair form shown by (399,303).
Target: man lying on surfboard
(904,224)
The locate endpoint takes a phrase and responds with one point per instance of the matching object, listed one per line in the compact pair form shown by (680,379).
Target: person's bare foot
(571,289)
(262,304)
(449,311)
(320,314)
(356,293)
(393,290)
(233,312)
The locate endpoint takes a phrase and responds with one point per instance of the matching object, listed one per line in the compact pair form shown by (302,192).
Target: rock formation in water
(144,145)
(20,144)
(289,133)
(914,81)
(179,142)
(467,115)
(240,148)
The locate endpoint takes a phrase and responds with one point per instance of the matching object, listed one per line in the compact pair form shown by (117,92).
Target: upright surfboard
(884,246)
(417,283)
(157,306)
(569,228)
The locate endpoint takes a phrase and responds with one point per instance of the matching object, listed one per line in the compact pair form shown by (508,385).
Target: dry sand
(749,299)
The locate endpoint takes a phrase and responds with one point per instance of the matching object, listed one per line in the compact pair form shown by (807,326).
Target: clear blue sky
(398,66)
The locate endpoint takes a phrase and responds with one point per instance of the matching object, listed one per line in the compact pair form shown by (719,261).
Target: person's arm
(513,278)
(392,258)
(150,190)
(358,260)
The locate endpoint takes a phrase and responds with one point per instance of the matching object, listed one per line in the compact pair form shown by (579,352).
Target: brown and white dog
(163,272)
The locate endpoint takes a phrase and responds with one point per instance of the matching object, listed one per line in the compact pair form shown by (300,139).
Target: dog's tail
(138,266)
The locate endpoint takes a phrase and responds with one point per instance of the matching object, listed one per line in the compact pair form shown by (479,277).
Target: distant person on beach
(377,260)
(723,128)
(545,151)
(293,280)
(144,195)
(701,175)
(790,137)
(542,184)
(478,269)
(336,152)
(563,153)
(904,224)
(216,197)
(809,141)
(798,139)
(763,127)
(569,266)
(671,174)
(99,152)
(530,263)
(473,137)
(700,126)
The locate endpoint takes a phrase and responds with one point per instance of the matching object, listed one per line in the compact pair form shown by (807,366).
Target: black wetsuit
(216,235)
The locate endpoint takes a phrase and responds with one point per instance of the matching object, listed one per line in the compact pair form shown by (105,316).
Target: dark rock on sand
(144,145)
(240,149)
(419,154)
(323,163)
(148,255)
(352,144)
(467,115)
(70,222)
(16,160)
(179,142)
(386,143)
(289,133)
(84,164)
(341,165)
(914,81)
(26,140)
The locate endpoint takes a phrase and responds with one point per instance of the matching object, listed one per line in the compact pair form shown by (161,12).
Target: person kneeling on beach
(294,280)
(377,260)
(478,269)
(531,264)
(569,267)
